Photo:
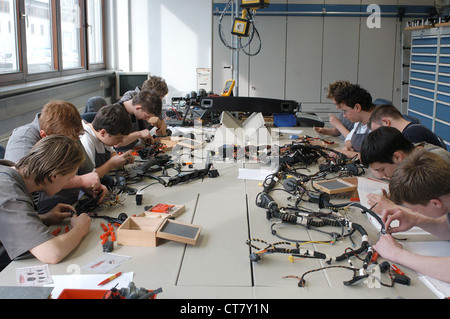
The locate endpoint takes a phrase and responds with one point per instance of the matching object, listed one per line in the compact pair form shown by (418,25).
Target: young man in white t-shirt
(357,106)
(108,129)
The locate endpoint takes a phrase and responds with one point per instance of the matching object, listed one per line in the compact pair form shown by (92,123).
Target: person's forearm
(436,226)
(329,131)
(436,267)
(56,249)
(75,182)
(130,138)
(105,168)
(342,129)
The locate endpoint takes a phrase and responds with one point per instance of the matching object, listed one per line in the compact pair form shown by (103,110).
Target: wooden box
(335,186)
(174,211)
(139,231)
(180,232)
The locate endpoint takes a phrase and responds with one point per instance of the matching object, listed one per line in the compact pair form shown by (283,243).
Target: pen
(373,206)
(110,279)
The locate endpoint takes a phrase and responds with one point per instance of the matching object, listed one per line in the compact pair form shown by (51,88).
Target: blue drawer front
(425,85)
(424,67)
(422,58)
(424,93)
(427,50)
(444,79)
(423,76)
(445,40)
(421,105)
(443,112)
(443,131)
(425,41)
(443,88)
(444,69)
(445,50)
(443,98)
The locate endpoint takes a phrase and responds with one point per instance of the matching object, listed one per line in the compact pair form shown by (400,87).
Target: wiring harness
(294,183)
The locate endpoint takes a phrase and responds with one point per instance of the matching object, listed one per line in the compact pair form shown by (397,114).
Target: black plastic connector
(402,279)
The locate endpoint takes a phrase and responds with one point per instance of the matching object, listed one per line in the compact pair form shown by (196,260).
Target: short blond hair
(52,155)
(421,177)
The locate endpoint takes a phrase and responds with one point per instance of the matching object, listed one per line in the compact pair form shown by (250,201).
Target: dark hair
(149,100)
(384,110)
(156,83)
(353,94)
(335,87)
(114,119)
(421,177)
(380,145)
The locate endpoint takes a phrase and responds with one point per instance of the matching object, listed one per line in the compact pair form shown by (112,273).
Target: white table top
(218,266)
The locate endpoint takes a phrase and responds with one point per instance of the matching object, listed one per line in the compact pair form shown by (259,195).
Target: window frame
(22,76)
(102,65)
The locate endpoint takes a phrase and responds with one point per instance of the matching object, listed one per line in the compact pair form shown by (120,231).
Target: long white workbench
(218,266)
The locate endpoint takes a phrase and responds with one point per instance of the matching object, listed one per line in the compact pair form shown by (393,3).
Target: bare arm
(86,181)
(116,161)
(57,248)
(143,134)
(338,125)
(408,219)
(436,267)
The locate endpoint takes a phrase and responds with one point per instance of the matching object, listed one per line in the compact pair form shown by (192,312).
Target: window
(49,38)
(8,37)
(95,31)
(39,47)
(71,34)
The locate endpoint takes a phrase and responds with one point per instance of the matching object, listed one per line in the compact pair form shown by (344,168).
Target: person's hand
(388,247)
(82,223)
(348,147)
(318,130)
(100,192)
(159,124)
(57,214)
(382,202)
(90,181)
(122,159)
(406,219)
(334,120)
(146,136)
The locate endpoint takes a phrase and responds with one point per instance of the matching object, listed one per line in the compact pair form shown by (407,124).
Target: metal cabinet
(429,89)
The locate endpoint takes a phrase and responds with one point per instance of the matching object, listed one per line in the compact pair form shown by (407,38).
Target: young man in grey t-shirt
(50,164)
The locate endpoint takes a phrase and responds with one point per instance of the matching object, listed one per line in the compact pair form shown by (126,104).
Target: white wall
(169,38)
(172,38)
